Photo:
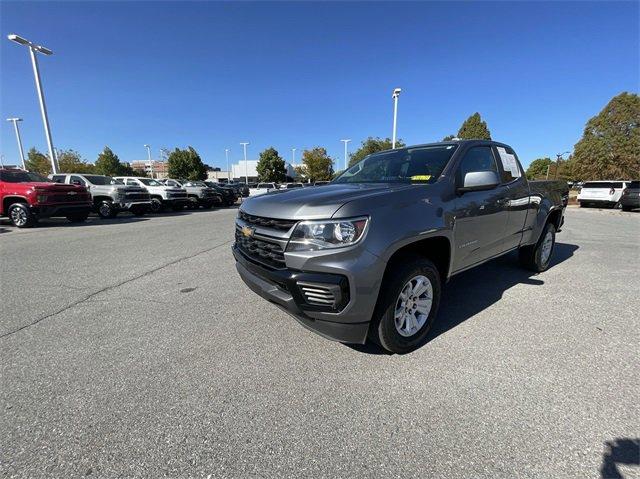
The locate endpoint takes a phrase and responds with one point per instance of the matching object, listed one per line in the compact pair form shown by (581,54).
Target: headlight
(327,234)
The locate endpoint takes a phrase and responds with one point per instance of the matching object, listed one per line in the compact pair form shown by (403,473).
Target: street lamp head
(396,92)
(42,49)
(14,119)
(18,39)
(147,146)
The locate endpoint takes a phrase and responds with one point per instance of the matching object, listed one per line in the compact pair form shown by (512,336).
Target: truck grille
(136,196)
(282,225)
(259,250)
(176,195)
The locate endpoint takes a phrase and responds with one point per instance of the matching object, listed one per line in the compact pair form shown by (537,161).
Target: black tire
(106,210)
(193,203)
(156,205)
(207,206)
(531,256)
(626,208)
(21,216)
(383,328)
(177,207)
(78,218)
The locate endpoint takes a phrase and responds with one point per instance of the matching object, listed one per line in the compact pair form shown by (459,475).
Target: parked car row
(260,188)
(615,194)
(26,197)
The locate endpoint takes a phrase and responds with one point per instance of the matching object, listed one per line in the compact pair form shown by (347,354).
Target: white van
(602,193)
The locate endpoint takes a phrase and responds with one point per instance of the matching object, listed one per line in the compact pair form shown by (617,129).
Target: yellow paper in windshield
(421,178)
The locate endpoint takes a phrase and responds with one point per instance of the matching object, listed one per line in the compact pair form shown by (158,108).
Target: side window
(76,180)
(510,169)
(132,182)
(58,178)
(478,158)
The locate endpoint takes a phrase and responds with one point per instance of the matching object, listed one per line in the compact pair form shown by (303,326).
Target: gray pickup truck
(365,257)
(109,196)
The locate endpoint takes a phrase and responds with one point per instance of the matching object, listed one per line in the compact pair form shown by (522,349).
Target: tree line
(609,149)
(185,164)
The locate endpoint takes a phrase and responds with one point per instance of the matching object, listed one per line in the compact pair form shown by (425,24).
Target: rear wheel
(538,257)
(407,306)
(626,208)
(21,216)
(106,210)
(78,217)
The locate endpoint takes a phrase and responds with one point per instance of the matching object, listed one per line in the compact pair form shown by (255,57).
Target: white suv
(161,195)
(602,193)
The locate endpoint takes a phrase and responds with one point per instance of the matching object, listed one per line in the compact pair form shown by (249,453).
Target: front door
(480,216)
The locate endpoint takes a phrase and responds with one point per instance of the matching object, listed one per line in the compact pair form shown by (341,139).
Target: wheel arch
(7,201)
(435,248)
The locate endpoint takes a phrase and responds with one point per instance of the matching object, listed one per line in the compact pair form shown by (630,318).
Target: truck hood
(314,203)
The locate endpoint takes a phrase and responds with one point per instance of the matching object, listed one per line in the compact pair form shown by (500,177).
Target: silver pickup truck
(109,196)
(366,256)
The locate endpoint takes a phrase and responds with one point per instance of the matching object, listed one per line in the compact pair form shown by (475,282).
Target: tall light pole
(396,94)
(33,48)
(226,154)
(246,176)
(148,147)
(345,152)
(558,160)
(15,126)
(293,156)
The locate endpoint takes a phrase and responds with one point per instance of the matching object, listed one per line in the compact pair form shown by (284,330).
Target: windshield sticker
(509,162)
(421,178)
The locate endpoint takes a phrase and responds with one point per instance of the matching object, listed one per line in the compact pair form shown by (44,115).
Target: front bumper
(64,209)
(132,205)
(349,322)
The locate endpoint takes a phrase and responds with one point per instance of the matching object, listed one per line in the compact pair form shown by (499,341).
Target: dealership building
(248,168)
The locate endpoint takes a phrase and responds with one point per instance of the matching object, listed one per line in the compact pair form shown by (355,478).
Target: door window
(58,178)
(132,182)
(76,180)
(478,158)
(510,168)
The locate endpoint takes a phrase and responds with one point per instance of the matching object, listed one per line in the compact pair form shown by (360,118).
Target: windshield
(102,180)
(150,182)
(409,165)
(266,185)
(195,183)
(19,176)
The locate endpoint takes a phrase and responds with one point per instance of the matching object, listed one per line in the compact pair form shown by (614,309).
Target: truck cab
(26,197)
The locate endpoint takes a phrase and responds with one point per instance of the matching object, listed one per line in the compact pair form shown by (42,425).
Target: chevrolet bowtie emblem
(248,232)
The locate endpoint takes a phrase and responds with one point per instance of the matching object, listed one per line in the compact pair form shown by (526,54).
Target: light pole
(345,152)
(246,176)
(33,48)
(226,154)
(148,147)
(15,126)
(396,94)
(293,156)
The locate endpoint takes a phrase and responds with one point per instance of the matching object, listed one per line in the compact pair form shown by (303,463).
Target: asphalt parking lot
(130,347)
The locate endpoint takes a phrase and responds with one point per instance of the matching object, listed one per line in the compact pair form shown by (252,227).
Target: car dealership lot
(131,347)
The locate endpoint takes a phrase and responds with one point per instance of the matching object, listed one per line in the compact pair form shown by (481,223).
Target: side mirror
(479,181)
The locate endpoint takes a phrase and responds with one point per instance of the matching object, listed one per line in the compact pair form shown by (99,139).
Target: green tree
(186,164)
(271,166)
(448,137)
(610,146)
(318,166)
(372,145)
(70,161)
(38,162)
(474,128)
(109,164)
(538,168)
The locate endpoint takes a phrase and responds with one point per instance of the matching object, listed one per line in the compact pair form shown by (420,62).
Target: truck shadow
(475,290)
(623,451)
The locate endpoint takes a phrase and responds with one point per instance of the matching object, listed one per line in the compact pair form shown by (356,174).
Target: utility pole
(33,48)
(15,126)
(396,94)
(148,147)
(246,175)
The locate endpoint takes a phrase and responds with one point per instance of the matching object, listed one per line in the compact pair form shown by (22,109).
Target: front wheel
(21,216)
(407,306)
(538,257)
(626,208)
(106,210)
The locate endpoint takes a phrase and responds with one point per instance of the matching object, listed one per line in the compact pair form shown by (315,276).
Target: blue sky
(300,75)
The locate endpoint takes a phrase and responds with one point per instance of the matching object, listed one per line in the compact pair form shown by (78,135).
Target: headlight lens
(327,234)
